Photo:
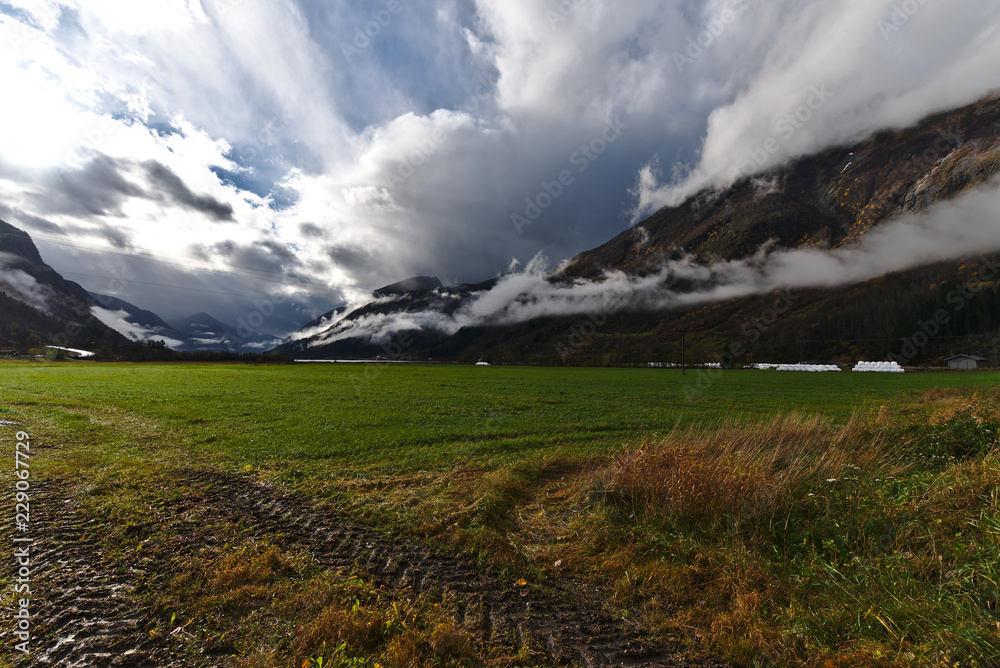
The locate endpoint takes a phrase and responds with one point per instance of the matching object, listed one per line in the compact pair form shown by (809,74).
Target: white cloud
(954,229)
(826,73)
(23,285)
(118,321)
(411,156)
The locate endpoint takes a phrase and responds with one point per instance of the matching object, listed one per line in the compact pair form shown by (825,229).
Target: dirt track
(90,619)
(83,608)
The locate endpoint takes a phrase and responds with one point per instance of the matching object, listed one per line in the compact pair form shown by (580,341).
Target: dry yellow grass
(741,472)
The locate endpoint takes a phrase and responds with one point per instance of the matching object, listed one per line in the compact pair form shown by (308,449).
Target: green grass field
(411,417)
(618,475)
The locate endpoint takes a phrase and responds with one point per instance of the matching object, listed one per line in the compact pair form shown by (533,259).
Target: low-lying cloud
(950,230)
(23,285)
(118,321)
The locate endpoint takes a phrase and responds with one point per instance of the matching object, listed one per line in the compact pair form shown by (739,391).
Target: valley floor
(294,516)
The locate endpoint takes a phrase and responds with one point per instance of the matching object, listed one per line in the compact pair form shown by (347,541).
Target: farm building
(966,362)
(6,350)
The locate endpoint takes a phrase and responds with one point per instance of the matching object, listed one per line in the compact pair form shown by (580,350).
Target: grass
(788,519)
(796,541)
(424,416)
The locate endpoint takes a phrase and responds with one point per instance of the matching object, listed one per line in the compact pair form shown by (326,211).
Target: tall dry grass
(739,472)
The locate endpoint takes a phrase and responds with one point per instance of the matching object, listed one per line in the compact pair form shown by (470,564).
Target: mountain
(205,326)
(38,306)
(324,321)
(409,285)
(133,322)
(826,201)
(200,331)
(136,315)
(339,340)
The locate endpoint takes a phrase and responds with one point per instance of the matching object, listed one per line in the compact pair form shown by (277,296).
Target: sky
(283,157)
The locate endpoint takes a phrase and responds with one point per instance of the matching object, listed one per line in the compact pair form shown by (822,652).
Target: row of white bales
(864,367)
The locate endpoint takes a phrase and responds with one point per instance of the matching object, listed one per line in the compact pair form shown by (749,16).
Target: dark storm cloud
(33,223)
(261,256)
(311,230)
(352,259)
(115,236)
(98,188)
(174,188)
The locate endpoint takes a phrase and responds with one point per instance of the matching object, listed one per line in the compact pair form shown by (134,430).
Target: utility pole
(683,352)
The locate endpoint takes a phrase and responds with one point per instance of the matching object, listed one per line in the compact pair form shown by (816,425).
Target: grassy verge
(792,541)
(855,526)
(873,543)
(234,595)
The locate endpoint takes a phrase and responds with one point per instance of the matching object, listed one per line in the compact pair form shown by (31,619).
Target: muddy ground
(88,612)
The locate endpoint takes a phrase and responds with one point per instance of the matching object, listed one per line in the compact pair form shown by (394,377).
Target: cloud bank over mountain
(963,227)
(297,154)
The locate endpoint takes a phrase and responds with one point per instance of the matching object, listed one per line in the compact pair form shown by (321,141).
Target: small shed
(966,362)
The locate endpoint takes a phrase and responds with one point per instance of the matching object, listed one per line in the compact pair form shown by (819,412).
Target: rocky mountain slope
(826,201)
(38,306)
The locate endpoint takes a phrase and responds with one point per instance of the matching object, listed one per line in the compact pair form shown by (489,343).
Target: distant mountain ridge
(138,316)
(199,331)
(827,200)
(409,285)
(327,345)
(38,306)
